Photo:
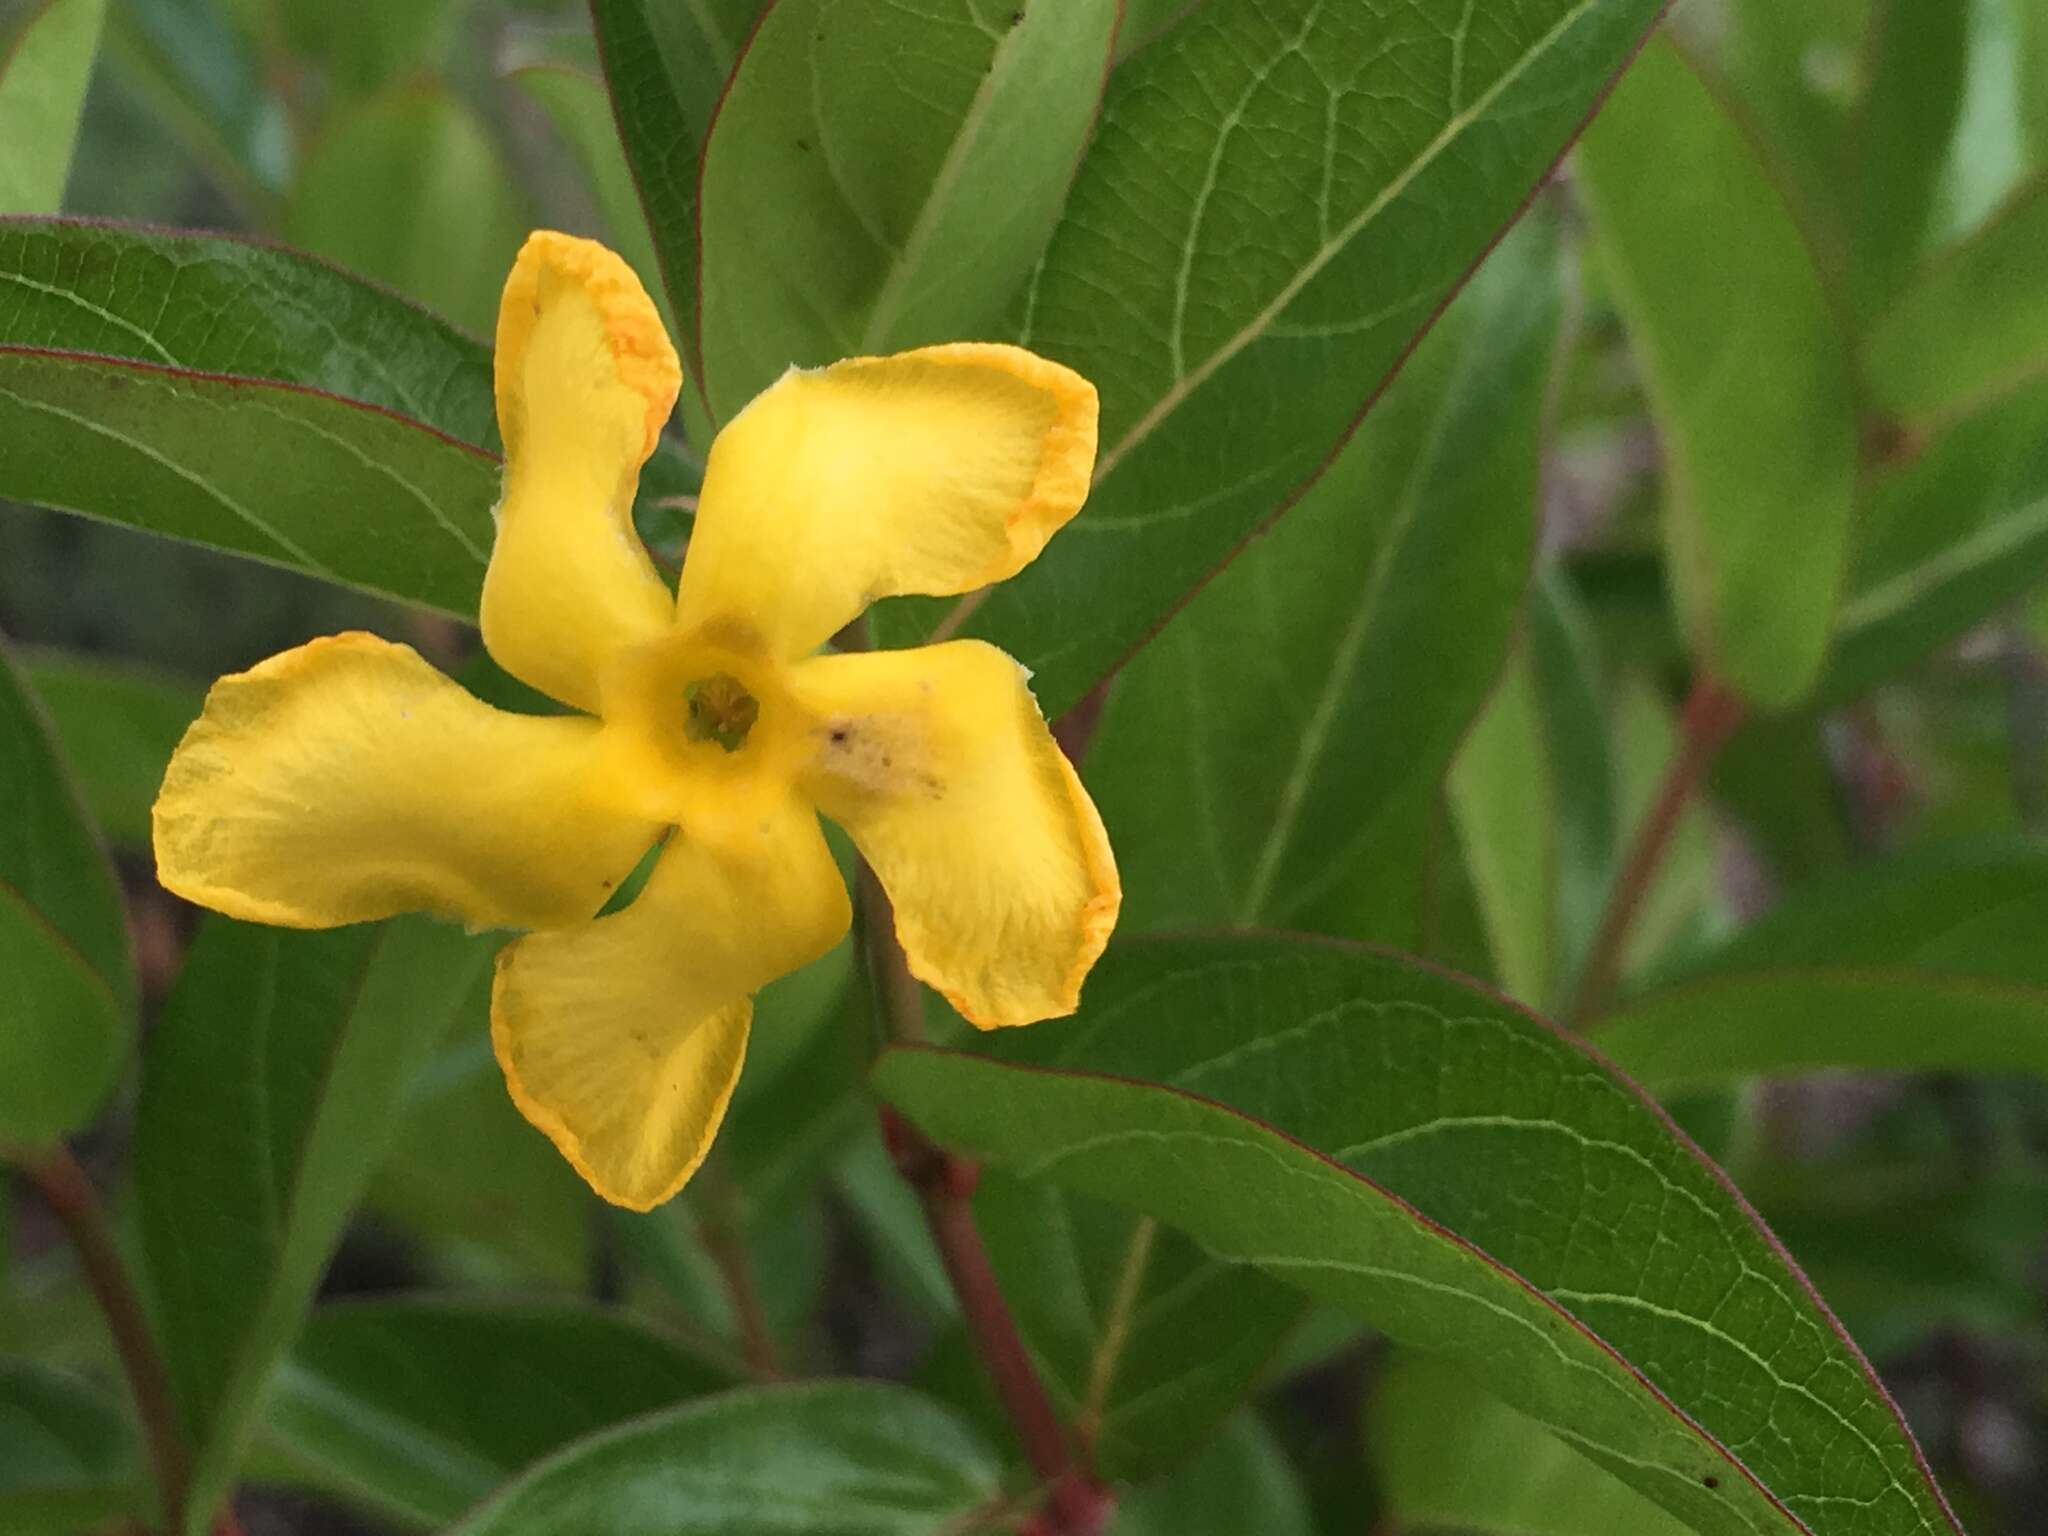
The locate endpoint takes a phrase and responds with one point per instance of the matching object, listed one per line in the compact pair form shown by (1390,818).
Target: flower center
(720,710)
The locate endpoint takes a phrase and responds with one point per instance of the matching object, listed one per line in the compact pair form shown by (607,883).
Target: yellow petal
(348,780)
(935,471)
(622,1038)
(939,764)
(585,379)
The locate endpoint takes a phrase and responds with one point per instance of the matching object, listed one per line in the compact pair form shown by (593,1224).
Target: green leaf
(576,104)
(1745,370)
(67,1012)
(409,189)
(198,72)
(664,67)
(834,1459)
(1451,1458)
(1945,542)
(1580,759)
(420,1407)
(879,177)
(1314,687)
(1927,963)
(216,304)
(317,484)
(213,304)
(118,721)
(1793,69)
(1913,62)
(1242,1483)
(1989,157)
(1502,792)
(1279,198)
(1469,1180)
(1974,326)
(44,67)
(68,1458)
(1143,1341)
(270,1090)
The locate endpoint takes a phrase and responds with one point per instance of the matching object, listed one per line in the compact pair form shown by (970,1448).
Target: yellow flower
(347,780)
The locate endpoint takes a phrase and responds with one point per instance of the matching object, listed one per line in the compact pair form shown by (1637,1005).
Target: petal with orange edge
(936,471)
(939,765)
(622,1038)
(585,379)
(348,780)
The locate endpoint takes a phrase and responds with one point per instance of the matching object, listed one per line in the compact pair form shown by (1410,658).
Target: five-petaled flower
(347,780)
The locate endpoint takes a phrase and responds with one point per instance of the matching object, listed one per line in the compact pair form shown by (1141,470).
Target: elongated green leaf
(1914,56)
(664,67)
(1975,325)
(1451,1458)
(880,177)
(1746,373)
(201,76)
(216,304)
(118,722)
(67,1011)
(1143,1340)
(576,103)
(68,1456)
(1470,1181)
(1318,683)
(297,479)
(1502,791)
(837,1459)
(1932,963)
(1793,69)
(409,189)
(1990,155)
(1279,198)
(270,1088)
(44,66)
(1945,543)
(1241,1484)
(420,1407)
(1579,751)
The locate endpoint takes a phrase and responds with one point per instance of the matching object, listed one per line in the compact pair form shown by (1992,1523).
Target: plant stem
(1710,717)
(725,1238)
(71,1199)
(1075,1503)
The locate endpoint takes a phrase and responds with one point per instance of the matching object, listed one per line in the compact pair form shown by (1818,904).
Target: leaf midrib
(905,259)
(1187,383)
(1351,646)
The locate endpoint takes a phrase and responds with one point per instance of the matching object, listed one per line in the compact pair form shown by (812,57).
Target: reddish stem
(1076,1504)
(1710,717)
(72,1200)
(722,1228)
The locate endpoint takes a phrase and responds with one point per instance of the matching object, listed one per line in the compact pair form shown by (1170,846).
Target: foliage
(1556,638)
